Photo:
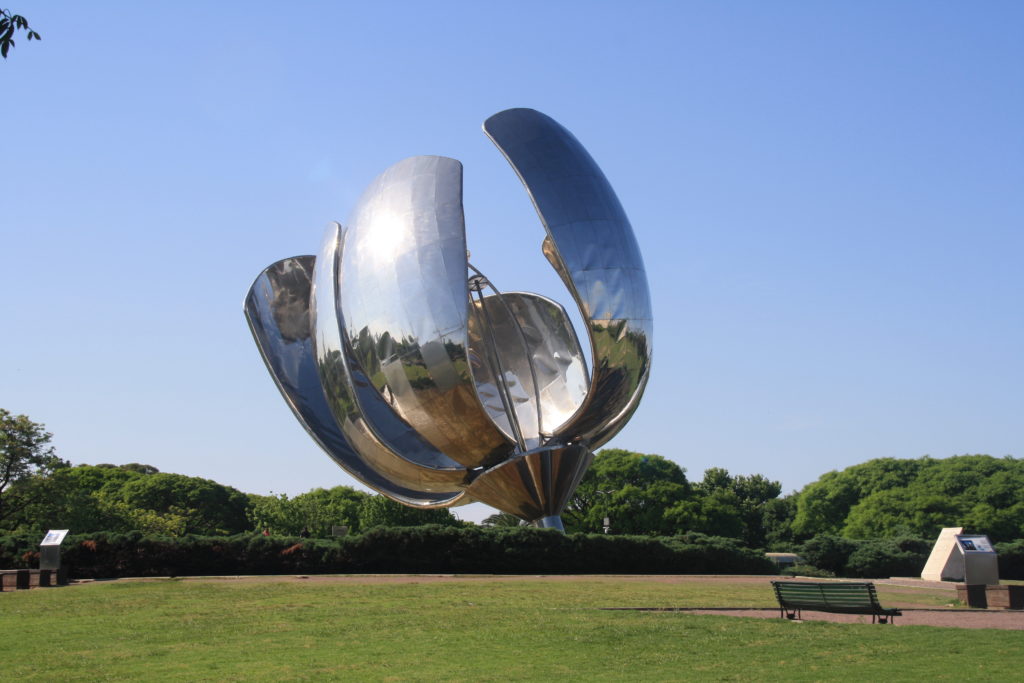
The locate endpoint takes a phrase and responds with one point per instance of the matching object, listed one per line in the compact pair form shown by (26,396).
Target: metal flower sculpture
(426,383)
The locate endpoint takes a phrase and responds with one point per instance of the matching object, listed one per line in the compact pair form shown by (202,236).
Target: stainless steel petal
(405,304)
(277,310)
(535,485)
(370,408)
(592,246)
(540,355)
(387,444)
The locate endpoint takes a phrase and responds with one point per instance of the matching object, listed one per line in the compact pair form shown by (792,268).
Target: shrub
(1011,559)
(425,549)
(874,558)
(887,557)
(13,549)
(827,552)
(807,570)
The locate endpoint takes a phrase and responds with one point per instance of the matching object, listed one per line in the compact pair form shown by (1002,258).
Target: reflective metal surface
(351,398)
(544,366)
(277,309)
(592,246)
(534,485)
(405,299)
(421,378)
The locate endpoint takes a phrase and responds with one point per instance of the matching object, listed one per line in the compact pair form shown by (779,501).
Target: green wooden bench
(838,597)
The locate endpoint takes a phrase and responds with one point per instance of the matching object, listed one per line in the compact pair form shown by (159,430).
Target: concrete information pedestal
(980,587)
(981,567)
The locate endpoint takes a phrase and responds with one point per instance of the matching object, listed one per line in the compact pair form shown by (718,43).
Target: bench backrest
(834,597)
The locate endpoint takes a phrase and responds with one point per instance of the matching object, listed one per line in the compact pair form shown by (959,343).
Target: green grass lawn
(468,630)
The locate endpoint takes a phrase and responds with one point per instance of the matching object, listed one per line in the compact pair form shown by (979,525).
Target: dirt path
(959,618)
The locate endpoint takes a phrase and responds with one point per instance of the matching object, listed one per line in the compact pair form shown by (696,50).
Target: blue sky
(828,197)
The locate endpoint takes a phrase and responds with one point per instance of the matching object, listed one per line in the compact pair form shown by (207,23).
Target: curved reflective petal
(540,355)
(405,302)
(534,485)
(434,472)
(592,246)
(277,310)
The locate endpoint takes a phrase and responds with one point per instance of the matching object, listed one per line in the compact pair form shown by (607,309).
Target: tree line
(623,493)
(878,499)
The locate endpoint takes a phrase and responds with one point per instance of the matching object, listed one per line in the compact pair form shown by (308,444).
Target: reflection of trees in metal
(289,282)
(425,381)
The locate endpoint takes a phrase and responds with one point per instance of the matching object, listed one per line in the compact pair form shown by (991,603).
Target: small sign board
(974,544)
(981,566)
(54,537)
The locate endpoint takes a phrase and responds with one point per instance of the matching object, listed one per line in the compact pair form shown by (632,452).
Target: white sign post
(49,549)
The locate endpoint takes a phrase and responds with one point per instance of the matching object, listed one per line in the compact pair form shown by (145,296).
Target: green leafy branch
(9,23)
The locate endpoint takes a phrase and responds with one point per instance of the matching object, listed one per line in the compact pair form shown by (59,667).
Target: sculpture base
(552,522)
(534,486)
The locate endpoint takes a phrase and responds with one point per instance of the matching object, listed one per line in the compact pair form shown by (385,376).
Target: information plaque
(49,549)
(979,557)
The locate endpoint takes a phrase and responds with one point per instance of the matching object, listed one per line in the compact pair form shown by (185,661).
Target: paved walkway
(912,616)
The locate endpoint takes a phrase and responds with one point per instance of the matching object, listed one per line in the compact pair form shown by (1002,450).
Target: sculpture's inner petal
(526,359)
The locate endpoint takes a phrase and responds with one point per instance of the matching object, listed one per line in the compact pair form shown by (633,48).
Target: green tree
(727,505)
(822,506)
(893,512)
(24,453)
(89,498)
(203,505)
(716,513)
(777,522)
(888,498)
(382,511)
(9,23)
(633,490)
(136,467)
(315,511)
(69,498)
(501,519)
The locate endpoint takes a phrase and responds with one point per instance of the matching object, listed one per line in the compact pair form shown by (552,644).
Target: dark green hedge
(868,558)
(426,549)
(1011,559)
(882,558)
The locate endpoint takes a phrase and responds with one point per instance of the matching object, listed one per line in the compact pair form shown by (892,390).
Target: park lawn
(466,630)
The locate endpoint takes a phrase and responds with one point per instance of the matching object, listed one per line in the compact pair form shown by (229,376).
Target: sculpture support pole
(552,522)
